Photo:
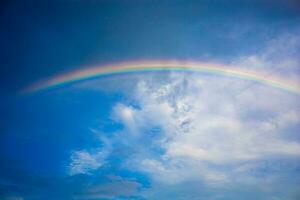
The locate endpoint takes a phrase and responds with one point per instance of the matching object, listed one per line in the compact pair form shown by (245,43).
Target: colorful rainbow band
(153,66)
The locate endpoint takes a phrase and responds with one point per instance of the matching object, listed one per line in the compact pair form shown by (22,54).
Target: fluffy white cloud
(208,121)
(210,128)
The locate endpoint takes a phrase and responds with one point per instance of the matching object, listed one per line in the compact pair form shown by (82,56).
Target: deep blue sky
(128,137)
(40,38)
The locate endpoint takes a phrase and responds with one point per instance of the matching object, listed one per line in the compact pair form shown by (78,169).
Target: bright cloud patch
(83,162)
(216,133)
(206,125)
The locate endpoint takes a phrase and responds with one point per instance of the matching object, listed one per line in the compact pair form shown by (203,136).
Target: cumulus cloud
(210,129)
(205,122)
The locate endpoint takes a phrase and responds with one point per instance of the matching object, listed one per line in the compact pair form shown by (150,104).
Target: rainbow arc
(156,66)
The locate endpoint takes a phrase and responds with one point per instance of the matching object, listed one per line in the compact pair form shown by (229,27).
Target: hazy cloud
(83,162)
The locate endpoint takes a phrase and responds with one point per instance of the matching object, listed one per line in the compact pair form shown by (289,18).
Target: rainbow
(154,66)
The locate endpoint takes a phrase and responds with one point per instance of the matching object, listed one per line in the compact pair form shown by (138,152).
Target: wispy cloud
(14,198)
(116,187)
(83,162)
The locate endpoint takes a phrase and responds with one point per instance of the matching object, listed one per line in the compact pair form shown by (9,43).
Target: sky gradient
(156,135)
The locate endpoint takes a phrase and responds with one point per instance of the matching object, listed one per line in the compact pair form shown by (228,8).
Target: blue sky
(154,135)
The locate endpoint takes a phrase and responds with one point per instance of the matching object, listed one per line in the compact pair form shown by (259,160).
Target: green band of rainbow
(153,66)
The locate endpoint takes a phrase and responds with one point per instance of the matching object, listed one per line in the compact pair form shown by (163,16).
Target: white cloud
(127,116)
(205,122)
(280,56)
(213,129)
(83,162)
